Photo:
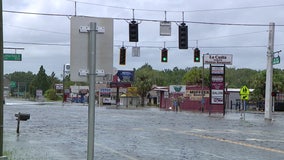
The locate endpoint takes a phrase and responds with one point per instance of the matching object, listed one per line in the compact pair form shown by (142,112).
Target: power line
(200,10)
(40,14)
(37,43)
(35,29)
(150,20)
(141,46)
(149,46)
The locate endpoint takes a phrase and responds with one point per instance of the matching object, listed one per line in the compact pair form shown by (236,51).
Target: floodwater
(56,132)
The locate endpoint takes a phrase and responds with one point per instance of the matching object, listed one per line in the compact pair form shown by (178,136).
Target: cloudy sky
(212,28)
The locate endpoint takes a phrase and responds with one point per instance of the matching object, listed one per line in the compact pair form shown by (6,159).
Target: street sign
(12,57)
(276,60)
(244,90)
(244,97)
(12,84)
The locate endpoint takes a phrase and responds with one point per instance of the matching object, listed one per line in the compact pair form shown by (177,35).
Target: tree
(236,78)
(174,76)
(40,82)
(144,81)
(22,81)
(259,86)
(194,76)
(53,80)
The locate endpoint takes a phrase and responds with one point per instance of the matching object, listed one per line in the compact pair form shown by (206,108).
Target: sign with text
(276,60)
(105,90)
(218,59)
(217,81)
(125,76)
(217,70)
(177,89)
(217,96)
(12,57)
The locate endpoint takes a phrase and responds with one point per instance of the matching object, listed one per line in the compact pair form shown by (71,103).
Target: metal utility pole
(92,82)
(269,73)
(1,82)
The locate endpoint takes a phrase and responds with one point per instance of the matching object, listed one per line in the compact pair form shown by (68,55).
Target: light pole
(269,73)
(203,99)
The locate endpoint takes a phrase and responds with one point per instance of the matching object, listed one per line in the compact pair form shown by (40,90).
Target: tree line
(146,77)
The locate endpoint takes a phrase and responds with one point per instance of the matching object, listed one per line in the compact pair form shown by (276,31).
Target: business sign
(105,90)
(177,89)
(217,78)
(59,86)
(125,76)
(218,59)
(217,81)
(218,70)
(217,96)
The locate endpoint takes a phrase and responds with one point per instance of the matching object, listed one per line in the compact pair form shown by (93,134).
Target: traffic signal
(133,31)
(164,55)
(183,36)
(196,55)
(122,56)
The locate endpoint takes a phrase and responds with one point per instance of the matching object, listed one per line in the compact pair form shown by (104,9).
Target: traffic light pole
(92,82)
(1,84)
(269,73)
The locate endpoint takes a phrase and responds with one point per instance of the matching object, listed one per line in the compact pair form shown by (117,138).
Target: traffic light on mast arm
(196,55)
(133,31)
(183,36)
(122,56)
(164,55)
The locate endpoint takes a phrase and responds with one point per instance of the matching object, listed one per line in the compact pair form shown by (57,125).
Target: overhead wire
(199,10)
(35,29)
(150,20)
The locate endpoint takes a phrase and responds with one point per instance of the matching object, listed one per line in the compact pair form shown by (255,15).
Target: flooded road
(56,132)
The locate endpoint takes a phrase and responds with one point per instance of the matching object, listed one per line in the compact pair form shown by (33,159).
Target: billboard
(79,46)
(124,76)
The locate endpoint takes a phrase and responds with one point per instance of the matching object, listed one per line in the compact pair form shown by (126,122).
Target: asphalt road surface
(56,132)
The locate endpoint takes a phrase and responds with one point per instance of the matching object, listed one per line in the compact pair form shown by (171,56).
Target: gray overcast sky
(248,44)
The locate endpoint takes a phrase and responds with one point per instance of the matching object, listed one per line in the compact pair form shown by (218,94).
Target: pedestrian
(175,104)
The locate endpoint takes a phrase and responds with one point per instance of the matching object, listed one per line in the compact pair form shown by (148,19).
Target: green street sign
(12,84)
(12,57)
(276,60)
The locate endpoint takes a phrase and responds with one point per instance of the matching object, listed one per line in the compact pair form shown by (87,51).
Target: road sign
(12,84)
(276,60)
(244,90)
(12,57)
(244,97)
